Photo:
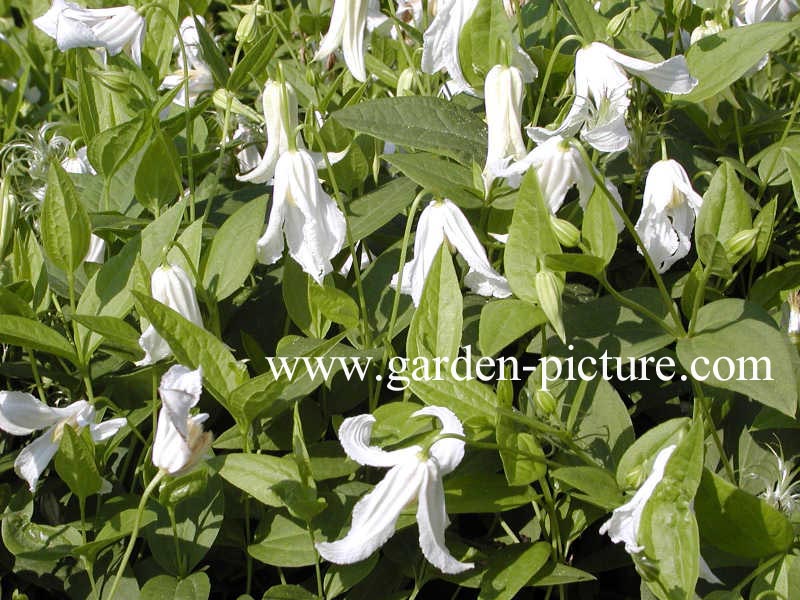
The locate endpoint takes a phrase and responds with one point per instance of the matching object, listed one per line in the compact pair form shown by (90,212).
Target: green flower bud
(221,98)
(545,402)
(548,288)
(116,81)
(405,82)
(740,244)
(248,26)
(568,235)
(8,218)
(617,23)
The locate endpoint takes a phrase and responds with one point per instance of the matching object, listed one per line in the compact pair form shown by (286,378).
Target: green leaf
(254,62)
(718,60)
(439,176)
(288,592)
(160,35)
(257,474)
(486,40)
(531,237)
(721,507)
(435,329)
(194,587)
(584,19)
(511,568)
(283,542)
(335,305)
(296,289)
(504,321)
(629,470)
(65,226)
(725,210)
(599,228)
(75,464)
(158,178)
(115,332)
(765,223)
(793,166)
(195,347)
(468,399)
(372,211)
(782,581)
(763,368)
(597,486)
(522,456)
(340,578)
(212,56)
(109,149)
(575,263)
(27,333)
(421,122)
(233,249)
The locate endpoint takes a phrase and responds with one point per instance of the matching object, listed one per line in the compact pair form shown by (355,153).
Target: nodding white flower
(781,492)
(669,209)
(348,25)
(623,526)
(314,227)
(248,158)
(180,442)
(443,221)
(22,414)
(412,476)
(440,45)
(199,73)
(559,166)
(747,12)
(503,92)
(170,285)
(111,30)
(277,100)
(78,163)
(601,94)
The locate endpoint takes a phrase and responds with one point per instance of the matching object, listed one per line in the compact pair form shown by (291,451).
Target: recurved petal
(432,521)
(106,429)
(22,413)
(354,435)
(353,39)
(609,136)
(34,458)
(448,452)
(180,390)
(333,39)
(375,515)
(155,347)
(671,75)
(269,247)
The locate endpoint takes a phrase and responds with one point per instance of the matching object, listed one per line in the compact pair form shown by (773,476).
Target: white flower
(348,24)
(440,45)
(248,158)
(277,100)
(705,29)
(443,221)
(503,93)
(22,414)
(748,12)
(669,208)
(601,94)
(410,11)
(79,163)
(110,29)
(171,286)
(623,526)
(314,226)
(200,77)
(97,250)
(180,442)
(412,476)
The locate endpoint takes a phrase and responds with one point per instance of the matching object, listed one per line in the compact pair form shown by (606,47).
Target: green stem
(135,532)
(36,377)
(699,297)
(89,566)
(636,307)
(700,400)
(548,71)
(317,571)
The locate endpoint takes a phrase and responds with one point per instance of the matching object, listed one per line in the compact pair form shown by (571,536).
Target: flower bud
(740,244)
(617,23)
(548,288)
(222,97)
(545,402)
(248,26)
(116,81)
(405,82)
(568,235)
(8,218)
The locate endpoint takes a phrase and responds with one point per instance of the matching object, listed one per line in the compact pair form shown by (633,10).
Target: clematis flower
(276,102)
(78,163)
(348,24)
(440,45)
(180,442)
(503,92)
(171,286)
(601,94)
(623,526)
(748,12)
(199,73)
(412,476)
(111,30)
(314,227)
(669,209)
(443,221)
(22,414)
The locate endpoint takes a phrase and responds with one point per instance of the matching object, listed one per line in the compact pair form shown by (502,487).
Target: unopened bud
(548,289)
(116,81)
(740,244)
(681,9)
(405,82)
(222,98)
(545,402)
(617,23)
(567,234)
(248,26)
(8,218)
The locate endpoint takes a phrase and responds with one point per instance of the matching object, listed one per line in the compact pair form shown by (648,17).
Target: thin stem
(135,532)
(88,564)
(636,307)
(36,377)
(700,399)
(548,71)
(317,572)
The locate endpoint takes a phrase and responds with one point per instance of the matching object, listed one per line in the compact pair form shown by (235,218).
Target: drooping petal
(503,95)
(269,247)
(375,515)
(353,39)
(440,40)
(611,135)
(336,30)
(106,429)
(22,413)
(354,435)
(706,572)
(33,459)
(154,346)
(180,390)
(447,452)
(623,526)
(671,75)
(171,286)
(432,521)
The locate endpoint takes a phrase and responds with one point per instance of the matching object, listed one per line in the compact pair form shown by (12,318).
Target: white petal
(432,521)
(353,39)
(180,390)
(354,435)
(22,414)
(671,75)
(154,346)
(609,136)
(375,515)
(269,247)
(706,572)
(172,287)
(333,39)
(106,429)
(447,452)
(34,458)
(440,41)
(97,250)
